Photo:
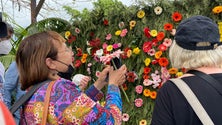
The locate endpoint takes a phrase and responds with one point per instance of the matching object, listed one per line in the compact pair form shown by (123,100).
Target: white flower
(99,52)
(89,50)
(158,10)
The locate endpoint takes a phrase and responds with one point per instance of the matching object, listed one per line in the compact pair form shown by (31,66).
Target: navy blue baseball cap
(197,29)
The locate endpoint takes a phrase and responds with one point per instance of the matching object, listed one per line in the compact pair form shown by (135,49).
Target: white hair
(192,59)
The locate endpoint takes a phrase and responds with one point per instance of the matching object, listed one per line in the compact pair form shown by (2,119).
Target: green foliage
(115,12)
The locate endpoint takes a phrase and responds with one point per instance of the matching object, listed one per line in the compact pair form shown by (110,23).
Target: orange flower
(146,76)
(84,56)
(83,60)
(217,9)
(173,70)
(158,54)
(146,92)
(160,36)
(163,62)
(168,26)
(153,95)
(176,17)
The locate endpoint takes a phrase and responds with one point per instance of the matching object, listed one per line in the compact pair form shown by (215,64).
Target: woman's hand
(101,81)
(84,82)
(118,77)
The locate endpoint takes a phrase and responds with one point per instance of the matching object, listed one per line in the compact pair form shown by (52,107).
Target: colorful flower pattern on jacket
(68,105)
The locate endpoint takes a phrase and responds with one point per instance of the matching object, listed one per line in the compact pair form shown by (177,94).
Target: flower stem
(121,86)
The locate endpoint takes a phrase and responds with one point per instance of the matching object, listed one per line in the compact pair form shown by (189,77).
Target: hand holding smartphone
(116,63)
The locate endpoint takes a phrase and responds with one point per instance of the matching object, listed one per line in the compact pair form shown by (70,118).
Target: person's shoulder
(66,83)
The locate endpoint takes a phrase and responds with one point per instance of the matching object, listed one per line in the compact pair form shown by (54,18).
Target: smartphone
(116,63)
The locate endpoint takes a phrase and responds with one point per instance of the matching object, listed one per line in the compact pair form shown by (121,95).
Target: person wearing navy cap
(197,48)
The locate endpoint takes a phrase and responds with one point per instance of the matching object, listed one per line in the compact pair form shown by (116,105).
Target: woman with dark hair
(41,57)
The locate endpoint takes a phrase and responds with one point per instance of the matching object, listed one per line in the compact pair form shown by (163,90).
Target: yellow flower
(143,122)
(140,14)
(109,48)
(220,27)
(153,33)
(147,61)
(118,32)
(129,53)
(217,9)
(67,34)
(132,23)
(158,54)
(178,74)
(146,92)
(136,50)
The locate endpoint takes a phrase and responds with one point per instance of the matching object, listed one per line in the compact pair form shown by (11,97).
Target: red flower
(160,36)
(154,62)
(131,77)
(146,76)
(176,17)
(105,22)
(168,26)
(147,46)
(146,70)
(163,62)
(71,39)
(91,34)
(162,47)
(78,63)
(147,32)
(79,52)
(95,42)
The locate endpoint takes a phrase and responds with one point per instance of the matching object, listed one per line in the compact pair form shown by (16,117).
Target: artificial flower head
(140,14)
(158,10)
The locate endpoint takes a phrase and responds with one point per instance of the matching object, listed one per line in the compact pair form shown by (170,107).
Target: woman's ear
(50,63)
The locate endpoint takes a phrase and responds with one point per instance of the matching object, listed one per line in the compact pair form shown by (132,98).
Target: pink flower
(88,70)
(105,59)
(151,52)
(124,32)
(77,30)
(147,82)
(97,73)
(115,45)
(167,42)
(165,75)
(108,36)
(138,102)
(162,47)
(117,53)
(139,89)
(89,64)
(125,117)
(105,45)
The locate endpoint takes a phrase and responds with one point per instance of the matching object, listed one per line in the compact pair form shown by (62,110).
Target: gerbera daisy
(158,10)
(176,17)
(140,14)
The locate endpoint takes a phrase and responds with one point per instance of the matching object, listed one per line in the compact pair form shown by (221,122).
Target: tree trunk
(35,10)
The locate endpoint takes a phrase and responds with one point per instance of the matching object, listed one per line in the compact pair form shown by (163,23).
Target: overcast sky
(22,17)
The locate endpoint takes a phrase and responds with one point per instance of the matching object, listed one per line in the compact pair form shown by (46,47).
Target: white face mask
(5,46)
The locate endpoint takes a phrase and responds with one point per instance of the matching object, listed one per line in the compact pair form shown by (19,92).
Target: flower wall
(140,35)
